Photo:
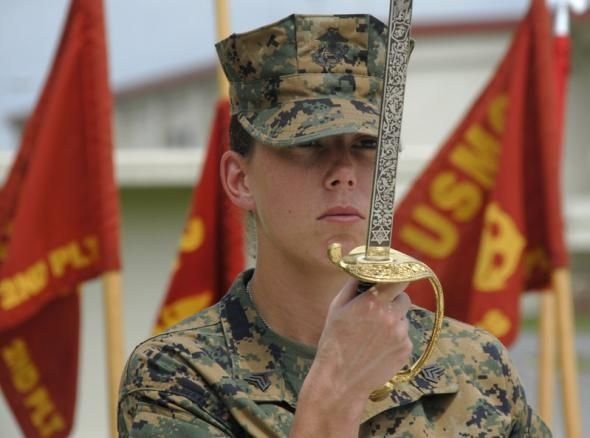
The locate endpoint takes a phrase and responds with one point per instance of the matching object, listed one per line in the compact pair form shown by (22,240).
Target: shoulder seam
(175,331)
(219,424)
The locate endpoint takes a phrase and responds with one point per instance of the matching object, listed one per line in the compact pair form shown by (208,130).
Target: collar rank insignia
(432,373)
(261,381)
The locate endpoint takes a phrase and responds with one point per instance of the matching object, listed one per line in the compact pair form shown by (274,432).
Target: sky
(151,38)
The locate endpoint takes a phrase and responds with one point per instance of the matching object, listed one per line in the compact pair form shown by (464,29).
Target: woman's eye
(311,145)
(367,143)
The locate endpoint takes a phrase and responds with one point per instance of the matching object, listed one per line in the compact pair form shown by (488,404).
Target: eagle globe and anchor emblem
(332,50)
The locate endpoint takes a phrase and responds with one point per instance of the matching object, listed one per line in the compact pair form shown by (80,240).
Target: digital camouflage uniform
(223,373)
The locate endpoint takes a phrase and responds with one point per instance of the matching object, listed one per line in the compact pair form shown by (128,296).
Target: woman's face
(307,197)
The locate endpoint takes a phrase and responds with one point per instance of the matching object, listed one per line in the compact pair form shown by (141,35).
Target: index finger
(388,291)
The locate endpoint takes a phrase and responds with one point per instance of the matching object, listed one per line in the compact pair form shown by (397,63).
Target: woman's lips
(341,215)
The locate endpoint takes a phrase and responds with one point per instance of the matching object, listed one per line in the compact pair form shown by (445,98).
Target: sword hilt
(397,268)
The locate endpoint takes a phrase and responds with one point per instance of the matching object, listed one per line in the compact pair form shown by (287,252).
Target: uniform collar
(259,355)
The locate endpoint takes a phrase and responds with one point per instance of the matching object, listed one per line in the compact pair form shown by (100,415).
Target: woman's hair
(240,140)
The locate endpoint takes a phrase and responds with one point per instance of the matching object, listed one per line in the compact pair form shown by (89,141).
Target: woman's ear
(234,178)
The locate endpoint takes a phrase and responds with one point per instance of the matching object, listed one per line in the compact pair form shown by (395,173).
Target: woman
(292,349)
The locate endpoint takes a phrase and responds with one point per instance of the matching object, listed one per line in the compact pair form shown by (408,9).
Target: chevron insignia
(261,381)
(432,373)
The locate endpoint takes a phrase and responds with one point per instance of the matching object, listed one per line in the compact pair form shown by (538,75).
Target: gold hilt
(397,267)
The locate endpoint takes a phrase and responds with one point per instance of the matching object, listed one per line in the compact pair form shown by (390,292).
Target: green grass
(582,323)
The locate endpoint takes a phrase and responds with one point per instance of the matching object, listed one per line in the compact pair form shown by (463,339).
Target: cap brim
(307,120)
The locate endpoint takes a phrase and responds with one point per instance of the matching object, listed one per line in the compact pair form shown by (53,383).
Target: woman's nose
(342,173)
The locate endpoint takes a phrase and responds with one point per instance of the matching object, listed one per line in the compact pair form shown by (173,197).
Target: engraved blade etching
(388,142)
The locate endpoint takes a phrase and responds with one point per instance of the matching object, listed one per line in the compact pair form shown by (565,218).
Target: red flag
(211,250)
(486,212)
(39,374)
(58,227)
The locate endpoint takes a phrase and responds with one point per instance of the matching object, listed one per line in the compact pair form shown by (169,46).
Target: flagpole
(546,345)
(561,282)
(561,285)
(222,20)
(112,299)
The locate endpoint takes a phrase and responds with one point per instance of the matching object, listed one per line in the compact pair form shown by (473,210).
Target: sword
(377,262)
(389,133)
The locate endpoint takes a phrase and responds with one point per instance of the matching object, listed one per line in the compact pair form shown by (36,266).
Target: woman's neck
(293,300)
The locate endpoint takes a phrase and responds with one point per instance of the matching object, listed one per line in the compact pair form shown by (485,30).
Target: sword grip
(363,286)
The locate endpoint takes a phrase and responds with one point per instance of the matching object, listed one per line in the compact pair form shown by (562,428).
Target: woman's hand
(364,343)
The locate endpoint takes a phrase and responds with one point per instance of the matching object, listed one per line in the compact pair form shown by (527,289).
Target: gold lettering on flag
(25,379)
(31,281)
(441,236)
(193,236)
(462,199)
(23,286)
(454,199)
(497,113)
(495,322)
(478,159)
(75,255)
(43,414)
(500,250)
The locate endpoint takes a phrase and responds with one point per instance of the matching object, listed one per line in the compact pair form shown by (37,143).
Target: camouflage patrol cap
(306,77)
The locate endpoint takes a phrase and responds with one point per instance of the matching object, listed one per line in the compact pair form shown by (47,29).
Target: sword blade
(388,142)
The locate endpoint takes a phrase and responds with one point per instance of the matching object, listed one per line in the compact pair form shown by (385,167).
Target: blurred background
(162,65)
